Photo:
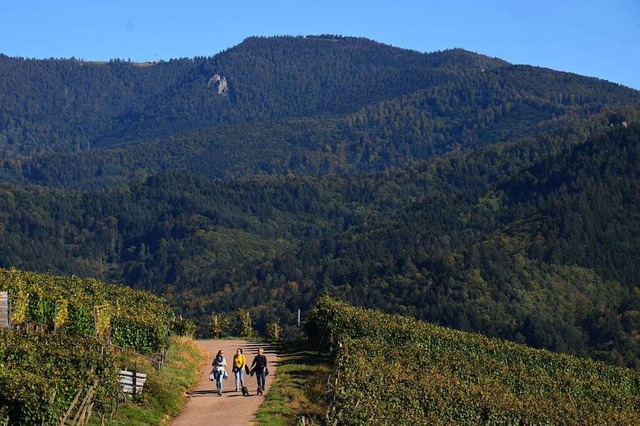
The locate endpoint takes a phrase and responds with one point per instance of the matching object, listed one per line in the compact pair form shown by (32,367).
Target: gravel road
(205,407)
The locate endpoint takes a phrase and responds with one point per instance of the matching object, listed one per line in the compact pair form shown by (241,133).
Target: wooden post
(96,309)
(95,321)
(55,317)
(135,372)
(70,409)
(5,310)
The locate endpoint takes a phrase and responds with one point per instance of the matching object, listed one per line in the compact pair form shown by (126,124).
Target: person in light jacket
(259,367)
(219,363)
(239,364)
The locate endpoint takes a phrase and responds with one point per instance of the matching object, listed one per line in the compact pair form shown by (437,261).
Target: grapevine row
(133,319)
(397,370)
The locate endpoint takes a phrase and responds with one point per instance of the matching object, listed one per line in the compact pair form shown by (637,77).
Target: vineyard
(132,319)
(396,370)
(41,373)
(56,361)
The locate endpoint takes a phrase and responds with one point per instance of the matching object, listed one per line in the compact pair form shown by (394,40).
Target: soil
(205,407)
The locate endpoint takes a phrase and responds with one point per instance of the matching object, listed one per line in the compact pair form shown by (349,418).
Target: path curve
(205,407)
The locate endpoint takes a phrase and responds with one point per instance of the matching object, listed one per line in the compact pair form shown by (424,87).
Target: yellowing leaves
(397,370)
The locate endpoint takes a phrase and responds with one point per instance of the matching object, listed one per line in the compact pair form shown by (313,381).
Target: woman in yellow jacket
(239,363)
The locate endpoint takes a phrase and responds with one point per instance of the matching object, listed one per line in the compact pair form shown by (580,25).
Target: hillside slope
(391,369)
(449,186)
(506,240)
(57,360)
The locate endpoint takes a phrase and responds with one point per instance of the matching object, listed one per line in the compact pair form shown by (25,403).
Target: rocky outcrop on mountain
(220,83)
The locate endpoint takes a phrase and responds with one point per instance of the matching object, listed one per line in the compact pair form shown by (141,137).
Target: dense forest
(449,186)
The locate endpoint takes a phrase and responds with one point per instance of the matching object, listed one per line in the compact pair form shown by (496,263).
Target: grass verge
(164,393)
(298,390)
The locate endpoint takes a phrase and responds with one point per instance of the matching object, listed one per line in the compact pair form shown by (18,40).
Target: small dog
(245,391)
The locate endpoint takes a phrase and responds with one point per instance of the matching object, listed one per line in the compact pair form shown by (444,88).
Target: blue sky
(595,38)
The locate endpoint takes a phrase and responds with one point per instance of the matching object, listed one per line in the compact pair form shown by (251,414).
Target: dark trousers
(260,376)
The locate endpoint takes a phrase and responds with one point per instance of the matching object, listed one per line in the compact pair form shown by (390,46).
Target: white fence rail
(132,382)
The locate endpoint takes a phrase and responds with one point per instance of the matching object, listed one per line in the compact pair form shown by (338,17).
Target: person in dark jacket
(219,363)
(259,367)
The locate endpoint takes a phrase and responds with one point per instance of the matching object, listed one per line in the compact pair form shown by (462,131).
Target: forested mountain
(311,105)
(449,186)
(267,79)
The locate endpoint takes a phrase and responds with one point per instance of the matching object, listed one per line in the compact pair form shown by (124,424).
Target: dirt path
(205,407)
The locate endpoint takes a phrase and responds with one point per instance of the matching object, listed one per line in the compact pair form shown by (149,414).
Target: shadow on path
(205,407)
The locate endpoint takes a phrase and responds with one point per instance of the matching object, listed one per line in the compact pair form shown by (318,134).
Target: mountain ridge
(360,112)
(173,95)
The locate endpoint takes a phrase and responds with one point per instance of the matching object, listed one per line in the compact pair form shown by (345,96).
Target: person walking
(219,363)
(259,367)
(239,364)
